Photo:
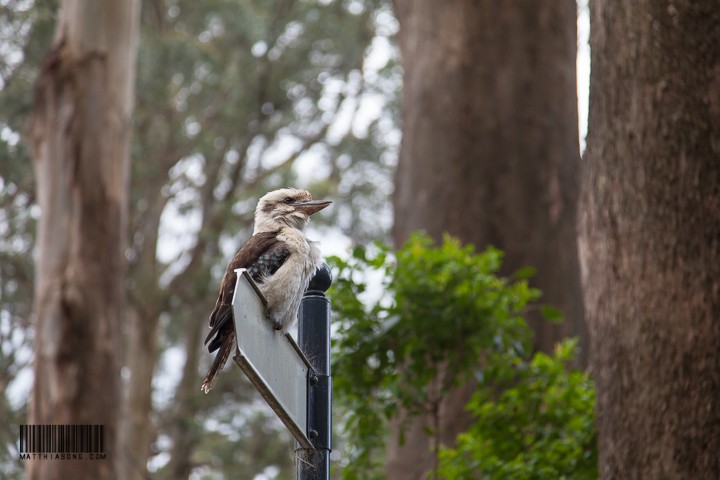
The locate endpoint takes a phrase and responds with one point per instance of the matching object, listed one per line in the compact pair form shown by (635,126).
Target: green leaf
(551,314)
(359,252)
(525,273)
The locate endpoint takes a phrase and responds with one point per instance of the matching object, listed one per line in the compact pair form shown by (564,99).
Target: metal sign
(272,361)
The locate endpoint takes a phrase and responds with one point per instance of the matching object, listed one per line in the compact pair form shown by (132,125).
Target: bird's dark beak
(312,206)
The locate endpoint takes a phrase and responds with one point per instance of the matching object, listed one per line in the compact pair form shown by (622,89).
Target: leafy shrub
(540,426)
(441,317)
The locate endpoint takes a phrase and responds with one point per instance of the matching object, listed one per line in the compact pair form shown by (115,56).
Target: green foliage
(541,424)
(443,317)
(444,309)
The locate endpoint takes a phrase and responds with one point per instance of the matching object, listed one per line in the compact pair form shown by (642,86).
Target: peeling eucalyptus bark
(79,135)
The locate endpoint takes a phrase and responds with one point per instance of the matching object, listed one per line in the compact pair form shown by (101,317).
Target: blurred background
(136,138)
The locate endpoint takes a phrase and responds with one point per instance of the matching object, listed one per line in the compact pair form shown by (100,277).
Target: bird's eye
(288,200)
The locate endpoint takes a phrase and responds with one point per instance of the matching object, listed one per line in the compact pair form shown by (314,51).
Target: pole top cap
(322,279)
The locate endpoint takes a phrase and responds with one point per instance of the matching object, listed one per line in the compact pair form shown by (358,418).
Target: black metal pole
(314,341)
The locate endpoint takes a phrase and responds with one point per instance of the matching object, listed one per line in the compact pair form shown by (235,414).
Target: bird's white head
(287,207)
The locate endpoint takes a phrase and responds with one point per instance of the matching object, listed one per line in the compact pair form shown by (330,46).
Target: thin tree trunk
(136,426)
(189,396)
(490,154)
(80,139)
(141,350)
(650,237)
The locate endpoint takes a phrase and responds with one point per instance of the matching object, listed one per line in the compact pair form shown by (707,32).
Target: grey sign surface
(270,359)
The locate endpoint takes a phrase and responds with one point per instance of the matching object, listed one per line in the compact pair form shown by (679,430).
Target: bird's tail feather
(219,322)
(220,359)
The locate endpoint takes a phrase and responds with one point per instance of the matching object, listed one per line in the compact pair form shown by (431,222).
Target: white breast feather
(284,290)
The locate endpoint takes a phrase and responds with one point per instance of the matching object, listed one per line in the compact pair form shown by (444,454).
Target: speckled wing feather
(262,256)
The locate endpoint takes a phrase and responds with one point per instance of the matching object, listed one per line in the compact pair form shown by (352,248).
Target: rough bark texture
(490,153)
(80,139)
(650,237)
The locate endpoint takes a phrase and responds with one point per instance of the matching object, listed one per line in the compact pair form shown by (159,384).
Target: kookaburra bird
(279,258)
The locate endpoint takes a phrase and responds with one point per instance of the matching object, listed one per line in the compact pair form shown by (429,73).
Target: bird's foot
(277,325)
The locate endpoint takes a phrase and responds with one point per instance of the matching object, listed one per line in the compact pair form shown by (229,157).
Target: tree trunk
(80,139)
(650,237)
(184,432)
(141,348)
(136,426)
(490,154)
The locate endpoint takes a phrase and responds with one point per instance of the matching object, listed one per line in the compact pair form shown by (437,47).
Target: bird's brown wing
(248,254)
(262,255)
